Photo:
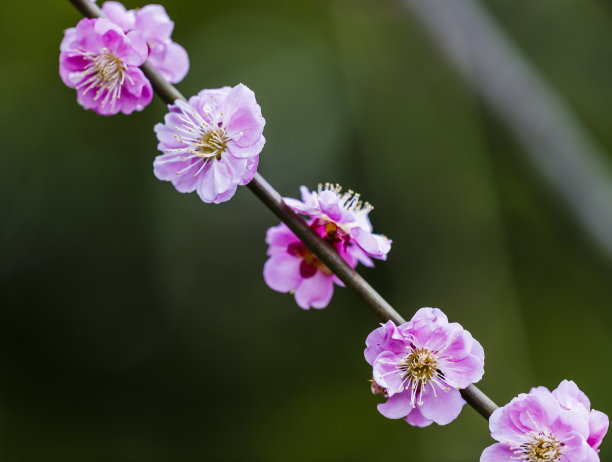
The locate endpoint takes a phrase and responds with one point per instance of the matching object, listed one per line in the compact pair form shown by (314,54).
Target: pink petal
(577,419)
(497,453)
(247,151)
(166,135)
(569,395)
(416,419)
(397,406)
(118,14)
(280,236)
(251,169)
(242,116)
(380,340)
(386,374)
(213,181)
(374,245)
(577,449)
(153,23)
(328,201)
(443,409)
(431,316)
(598,427)
(236,168)
(464,372)
(167,167)
(281,272)
(315,291)
(170,59)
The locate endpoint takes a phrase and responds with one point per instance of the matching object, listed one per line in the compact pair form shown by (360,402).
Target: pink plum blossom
(211,144)
(168,57)
(340,219)
(101,62)
(293,268)
(421,365)
(544,426)
(153,23)
(346,217)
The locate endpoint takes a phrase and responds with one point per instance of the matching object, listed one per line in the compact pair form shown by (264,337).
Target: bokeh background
(135,323)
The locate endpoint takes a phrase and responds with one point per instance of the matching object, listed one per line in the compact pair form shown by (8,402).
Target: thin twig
(322,249)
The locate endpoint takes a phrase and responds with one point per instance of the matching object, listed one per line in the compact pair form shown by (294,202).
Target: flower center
(212,144)
(105,73)
(540,447)
(419,366)
(310,263)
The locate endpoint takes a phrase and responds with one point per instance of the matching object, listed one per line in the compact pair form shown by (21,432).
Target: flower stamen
(540,447)
(106,73)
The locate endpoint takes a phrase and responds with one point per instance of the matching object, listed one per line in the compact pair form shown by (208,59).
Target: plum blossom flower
(211,144)
(293,268)
(168,57)
(421,365)
(155,26)
(345,218)
(549,427)
(340,219)
(101,62)
(152,22)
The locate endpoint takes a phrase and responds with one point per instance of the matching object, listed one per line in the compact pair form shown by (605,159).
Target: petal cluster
(340,219)
(100,57)
(153,23)
(328,204)
(293,268)
(211,144)
(546,426)
(421,365)
(101,61)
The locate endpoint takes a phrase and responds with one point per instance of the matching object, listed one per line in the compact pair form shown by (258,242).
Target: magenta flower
(545,426)
(343,221)
(212,143)
(346,219)
(101,62)
(422,365)
(153,23)
(293,268)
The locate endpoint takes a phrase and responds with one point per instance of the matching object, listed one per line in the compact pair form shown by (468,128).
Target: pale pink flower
(101,62)
(168,57)
(548,427)
(212,143)
(422,365)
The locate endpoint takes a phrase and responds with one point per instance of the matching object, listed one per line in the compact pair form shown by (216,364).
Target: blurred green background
(135,323)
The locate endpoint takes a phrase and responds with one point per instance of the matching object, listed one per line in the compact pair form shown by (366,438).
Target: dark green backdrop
(135,323)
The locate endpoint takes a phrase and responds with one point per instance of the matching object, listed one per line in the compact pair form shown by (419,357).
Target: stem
(322,249)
